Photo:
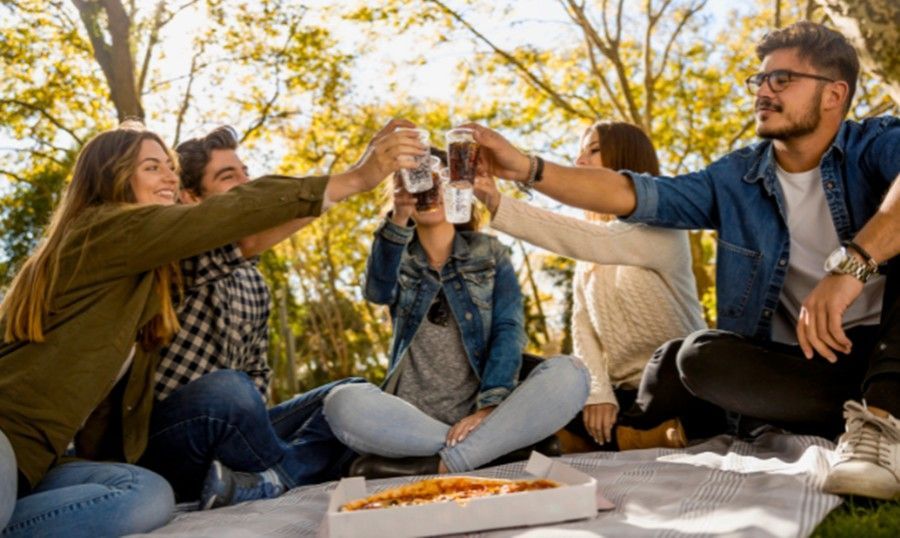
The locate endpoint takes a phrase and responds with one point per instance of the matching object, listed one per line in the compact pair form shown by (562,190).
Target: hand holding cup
(498,157)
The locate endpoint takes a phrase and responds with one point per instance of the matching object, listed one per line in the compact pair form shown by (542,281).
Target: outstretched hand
(819,327)
(389,151)
(498,157)
(464,427)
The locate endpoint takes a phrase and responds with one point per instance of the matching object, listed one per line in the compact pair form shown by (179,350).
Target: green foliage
(861,517)
(279,72)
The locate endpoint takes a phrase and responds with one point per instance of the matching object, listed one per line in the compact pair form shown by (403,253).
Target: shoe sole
(860,487)
(217,470)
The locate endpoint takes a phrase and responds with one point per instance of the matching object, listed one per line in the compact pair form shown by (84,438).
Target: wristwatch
(842,262)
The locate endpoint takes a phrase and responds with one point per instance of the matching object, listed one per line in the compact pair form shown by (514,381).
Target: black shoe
(371,466)
(548,447)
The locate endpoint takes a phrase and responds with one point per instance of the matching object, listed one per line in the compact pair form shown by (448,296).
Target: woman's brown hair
(102,175)
(624,146)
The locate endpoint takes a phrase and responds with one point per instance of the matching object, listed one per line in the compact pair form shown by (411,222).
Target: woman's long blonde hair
(102,175)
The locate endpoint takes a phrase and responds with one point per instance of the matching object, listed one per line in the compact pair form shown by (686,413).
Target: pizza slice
(444,489)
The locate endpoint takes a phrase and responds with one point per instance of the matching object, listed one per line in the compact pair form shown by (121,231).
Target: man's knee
(701,355)
(228,391)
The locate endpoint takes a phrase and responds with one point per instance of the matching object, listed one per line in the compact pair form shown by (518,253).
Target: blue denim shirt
(480,286)
(740,197)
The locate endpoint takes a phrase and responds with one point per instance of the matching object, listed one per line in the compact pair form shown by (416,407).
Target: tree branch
(185,102)
(115,57)
(45,114)
(152,40)
(533,79)
(611,52)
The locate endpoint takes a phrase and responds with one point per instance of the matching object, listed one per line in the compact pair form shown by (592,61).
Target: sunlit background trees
(307,83)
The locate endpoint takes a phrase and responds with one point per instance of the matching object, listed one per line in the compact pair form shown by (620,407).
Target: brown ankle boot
(669,434)
(572,444)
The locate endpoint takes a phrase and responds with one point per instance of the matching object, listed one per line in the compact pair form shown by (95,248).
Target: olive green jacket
(105,294)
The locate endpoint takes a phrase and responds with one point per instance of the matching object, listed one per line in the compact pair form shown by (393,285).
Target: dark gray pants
(713,374)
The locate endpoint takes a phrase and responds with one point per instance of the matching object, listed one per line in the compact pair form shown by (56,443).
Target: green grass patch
(859,516)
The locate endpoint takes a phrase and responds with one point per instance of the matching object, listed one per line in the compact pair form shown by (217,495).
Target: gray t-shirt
(813,238)
(435,374)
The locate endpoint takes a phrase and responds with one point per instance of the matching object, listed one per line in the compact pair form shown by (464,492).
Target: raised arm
(382,156)
(687,201)
(605,243)
(383,264)
(596,189)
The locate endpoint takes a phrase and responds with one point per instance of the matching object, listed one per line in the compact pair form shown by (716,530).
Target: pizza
(444,489)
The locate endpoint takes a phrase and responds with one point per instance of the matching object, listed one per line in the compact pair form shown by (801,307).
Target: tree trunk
(873,26)
(288,335)
(115,58)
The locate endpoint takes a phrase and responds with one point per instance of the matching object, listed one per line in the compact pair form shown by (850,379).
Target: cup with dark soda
(462,156)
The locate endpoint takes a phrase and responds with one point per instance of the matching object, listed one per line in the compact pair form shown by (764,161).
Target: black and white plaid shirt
(224,319)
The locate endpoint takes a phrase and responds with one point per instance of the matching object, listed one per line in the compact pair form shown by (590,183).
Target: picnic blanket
(723,486)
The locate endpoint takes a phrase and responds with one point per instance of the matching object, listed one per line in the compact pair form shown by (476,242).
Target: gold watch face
(833,262)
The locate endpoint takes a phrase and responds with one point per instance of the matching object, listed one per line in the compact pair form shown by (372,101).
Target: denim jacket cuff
(395,233)
(492,396)
(647,197)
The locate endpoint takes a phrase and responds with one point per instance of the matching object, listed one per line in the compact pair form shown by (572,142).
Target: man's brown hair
(194,155)
(827,50)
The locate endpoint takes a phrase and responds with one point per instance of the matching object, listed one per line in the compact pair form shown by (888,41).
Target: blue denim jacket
(481,288)
(740,197)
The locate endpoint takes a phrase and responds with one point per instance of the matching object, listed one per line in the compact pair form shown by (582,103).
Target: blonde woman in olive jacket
(87,311)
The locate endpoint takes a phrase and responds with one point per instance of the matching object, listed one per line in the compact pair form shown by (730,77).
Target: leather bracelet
(534,163)
(870,261)
(539,173)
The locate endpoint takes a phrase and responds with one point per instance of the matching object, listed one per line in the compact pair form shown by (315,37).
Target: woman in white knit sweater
(633,285)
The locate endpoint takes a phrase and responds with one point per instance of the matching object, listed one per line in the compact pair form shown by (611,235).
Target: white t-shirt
(813,238)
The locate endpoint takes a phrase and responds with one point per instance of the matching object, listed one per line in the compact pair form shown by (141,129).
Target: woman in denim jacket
(451,388)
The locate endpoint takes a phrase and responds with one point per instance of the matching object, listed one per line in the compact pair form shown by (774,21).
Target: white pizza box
(578,498)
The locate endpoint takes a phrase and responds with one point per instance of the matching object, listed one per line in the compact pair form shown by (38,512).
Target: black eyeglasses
(779,79)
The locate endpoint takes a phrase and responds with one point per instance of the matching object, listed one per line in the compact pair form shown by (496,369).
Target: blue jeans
(221,416)
(9,479)
(371,421)
(93,499)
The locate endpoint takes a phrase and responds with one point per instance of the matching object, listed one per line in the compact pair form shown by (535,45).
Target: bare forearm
(596,189)
(258,243)
(880,237)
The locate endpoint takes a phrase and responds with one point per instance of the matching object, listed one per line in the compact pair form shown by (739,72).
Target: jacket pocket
(480,283)
(736,273)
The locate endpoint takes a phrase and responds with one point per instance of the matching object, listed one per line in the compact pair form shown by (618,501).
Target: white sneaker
(868,456)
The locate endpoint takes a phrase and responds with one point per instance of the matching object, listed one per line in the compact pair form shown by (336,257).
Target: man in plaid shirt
(211,433)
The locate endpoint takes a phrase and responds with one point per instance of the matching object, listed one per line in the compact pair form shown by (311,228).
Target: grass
(859,516)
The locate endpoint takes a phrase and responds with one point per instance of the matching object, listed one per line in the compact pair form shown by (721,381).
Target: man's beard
(807,123)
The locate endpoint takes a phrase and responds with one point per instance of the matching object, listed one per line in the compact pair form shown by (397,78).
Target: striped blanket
(770,487)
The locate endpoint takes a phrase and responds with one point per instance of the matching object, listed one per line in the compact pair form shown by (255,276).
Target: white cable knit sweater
(633,288)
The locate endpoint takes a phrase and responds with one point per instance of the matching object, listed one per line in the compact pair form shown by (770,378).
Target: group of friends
(133,366)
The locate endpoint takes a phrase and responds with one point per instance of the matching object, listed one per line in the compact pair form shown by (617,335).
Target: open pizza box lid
(577,498)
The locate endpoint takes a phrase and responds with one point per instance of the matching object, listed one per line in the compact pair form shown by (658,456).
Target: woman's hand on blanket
(599,420)
(486,191)
(461,429)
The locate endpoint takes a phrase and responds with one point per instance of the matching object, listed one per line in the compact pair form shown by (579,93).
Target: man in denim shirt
(807,306)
